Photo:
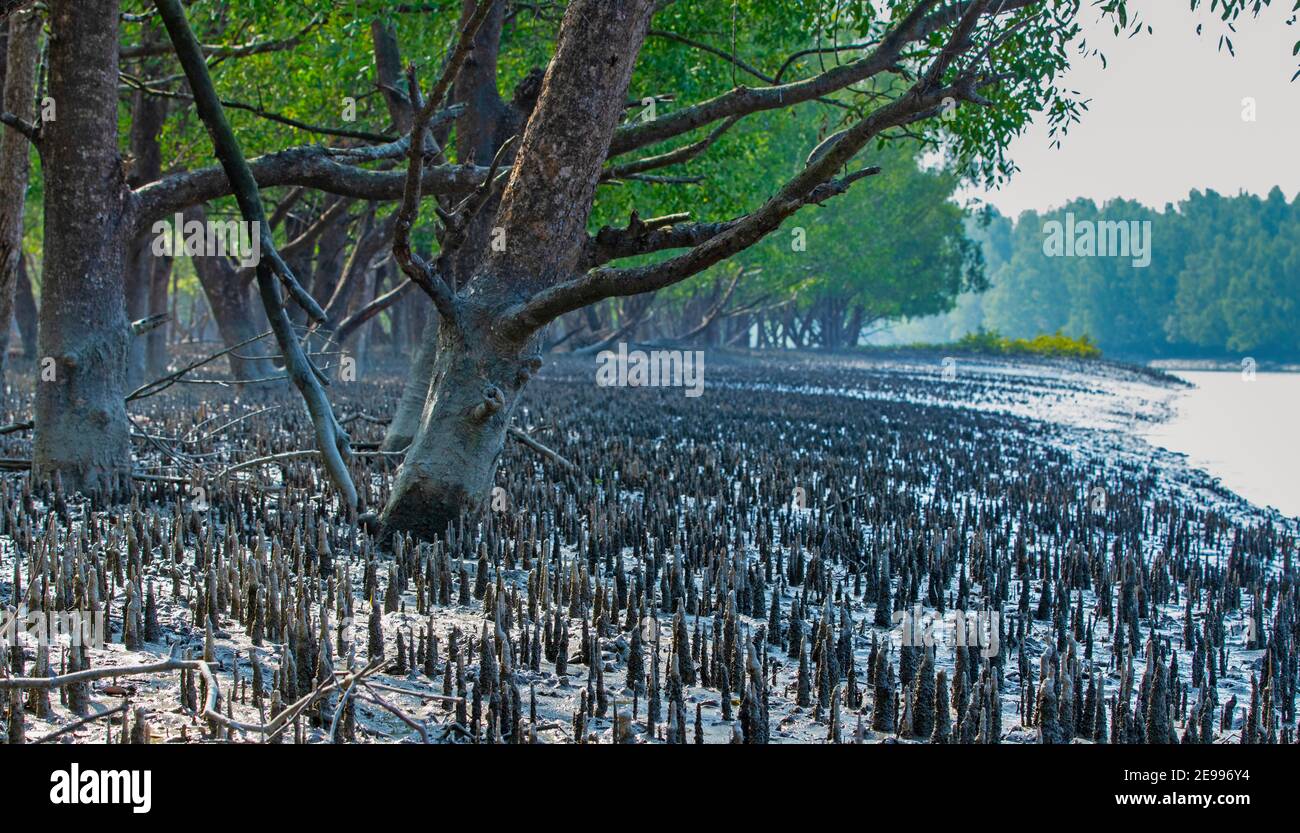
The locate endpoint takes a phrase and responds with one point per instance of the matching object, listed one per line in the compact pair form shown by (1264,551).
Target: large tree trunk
(479,372)
(19,87)
(451,463)
(81,424)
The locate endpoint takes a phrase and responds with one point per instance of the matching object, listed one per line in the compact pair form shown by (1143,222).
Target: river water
(1246,433)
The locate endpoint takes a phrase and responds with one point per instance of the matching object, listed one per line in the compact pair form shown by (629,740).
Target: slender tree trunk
(854,330)
(415,392)
(148,114)
(228,299)
(479,372)
(330,259)
(81,425)
(156,357)
(19,87)
(25,309)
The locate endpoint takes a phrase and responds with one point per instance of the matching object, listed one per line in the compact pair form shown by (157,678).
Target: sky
(1165,115)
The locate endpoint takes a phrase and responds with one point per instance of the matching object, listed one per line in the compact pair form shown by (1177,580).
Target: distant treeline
(1223,278)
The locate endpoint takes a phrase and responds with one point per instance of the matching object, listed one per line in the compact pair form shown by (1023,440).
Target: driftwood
(267,730)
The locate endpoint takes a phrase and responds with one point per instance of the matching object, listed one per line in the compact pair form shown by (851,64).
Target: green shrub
(992,342)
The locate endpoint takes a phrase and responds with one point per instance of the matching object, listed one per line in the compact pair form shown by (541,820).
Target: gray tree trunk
(19,86)
(479,373)
(156,345)
(81,431)
(229,301)
(148,114)
(25,310)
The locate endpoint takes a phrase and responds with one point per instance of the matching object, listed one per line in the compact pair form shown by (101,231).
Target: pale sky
(1165,115)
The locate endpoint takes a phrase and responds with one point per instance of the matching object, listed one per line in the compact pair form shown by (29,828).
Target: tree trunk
(148,114)
(18,97)
(25,310)
(451,463)
(156,357)
(81,426)
(479,371)
(415,392)
(486,125)
(228,299)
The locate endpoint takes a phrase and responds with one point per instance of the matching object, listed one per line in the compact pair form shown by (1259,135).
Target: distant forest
(1223,280)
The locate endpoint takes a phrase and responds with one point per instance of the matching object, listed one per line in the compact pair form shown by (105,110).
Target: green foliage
(992,343)
(1224,277)
(1055,344)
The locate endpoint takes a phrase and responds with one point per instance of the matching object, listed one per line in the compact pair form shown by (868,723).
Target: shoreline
(936,469)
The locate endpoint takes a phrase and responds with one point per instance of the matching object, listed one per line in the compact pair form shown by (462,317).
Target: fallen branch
(378,700)
(160,385)
(286,456)
(210,712)
(520,435)
(72,727)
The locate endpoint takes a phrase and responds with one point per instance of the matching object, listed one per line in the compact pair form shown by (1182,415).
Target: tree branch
(331,438)
(415,267)
(30,131)
(311,166)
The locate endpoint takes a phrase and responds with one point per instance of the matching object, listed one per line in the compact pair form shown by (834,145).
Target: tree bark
(479,372)
(81,431)
(18,97)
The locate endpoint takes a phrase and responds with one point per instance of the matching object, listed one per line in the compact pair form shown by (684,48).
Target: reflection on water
(1245,433)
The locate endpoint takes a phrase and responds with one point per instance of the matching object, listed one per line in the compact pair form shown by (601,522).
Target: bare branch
(381,302)
(30,131)
(523,437)
(312,166)
(260,112)
(745,100)
(673,157)
(415,267)
(646,236)
(331,438)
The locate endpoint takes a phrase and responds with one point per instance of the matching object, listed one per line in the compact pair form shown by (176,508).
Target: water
(1244,433)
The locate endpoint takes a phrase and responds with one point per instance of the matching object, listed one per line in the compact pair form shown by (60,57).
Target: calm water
(1245,433)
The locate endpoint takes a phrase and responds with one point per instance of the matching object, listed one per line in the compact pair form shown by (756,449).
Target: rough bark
(19,84)
(81,431)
